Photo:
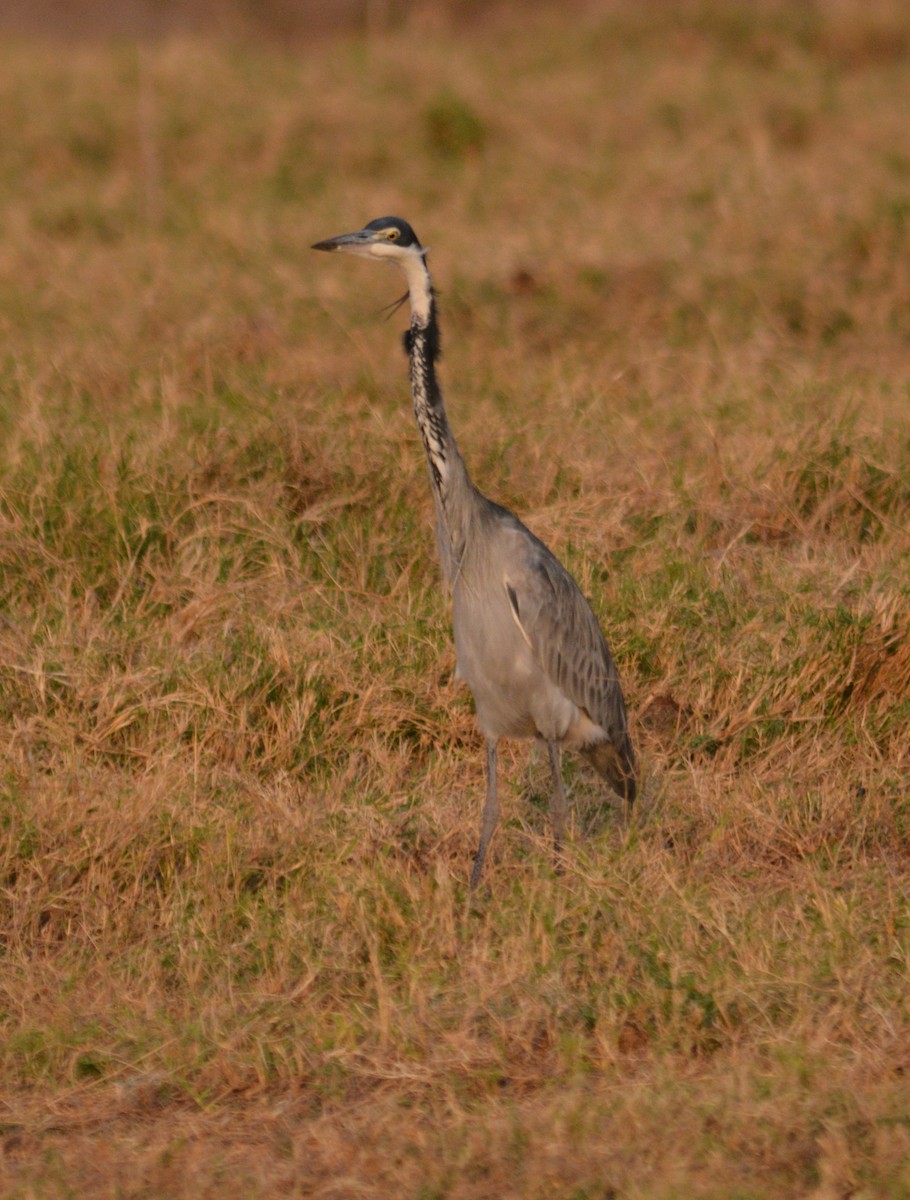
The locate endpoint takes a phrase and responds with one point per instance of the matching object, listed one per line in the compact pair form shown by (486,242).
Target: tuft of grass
(453,129)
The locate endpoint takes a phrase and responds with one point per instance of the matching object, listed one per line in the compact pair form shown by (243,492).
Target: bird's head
(388,238)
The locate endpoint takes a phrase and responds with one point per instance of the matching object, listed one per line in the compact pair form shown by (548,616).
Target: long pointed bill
(349,243)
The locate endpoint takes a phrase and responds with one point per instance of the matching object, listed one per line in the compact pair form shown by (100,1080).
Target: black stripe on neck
(429,332)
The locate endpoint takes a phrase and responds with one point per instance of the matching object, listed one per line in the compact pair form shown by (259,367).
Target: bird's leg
(490,813)
(557,799)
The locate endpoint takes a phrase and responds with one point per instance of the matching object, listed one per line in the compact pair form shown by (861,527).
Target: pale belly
(512,695)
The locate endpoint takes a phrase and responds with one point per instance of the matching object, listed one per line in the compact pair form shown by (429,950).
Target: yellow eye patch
(392,235)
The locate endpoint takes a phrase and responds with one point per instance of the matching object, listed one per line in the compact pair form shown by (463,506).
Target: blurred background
(272,18)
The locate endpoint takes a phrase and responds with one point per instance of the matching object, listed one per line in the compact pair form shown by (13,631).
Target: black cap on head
(406,235)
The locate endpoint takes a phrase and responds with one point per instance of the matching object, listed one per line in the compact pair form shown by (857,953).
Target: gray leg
(490,813)
(557,799)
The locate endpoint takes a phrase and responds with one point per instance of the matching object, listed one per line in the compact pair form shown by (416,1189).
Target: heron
(527,641)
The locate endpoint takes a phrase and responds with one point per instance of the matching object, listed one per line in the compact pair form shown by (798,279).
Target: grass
(239,785)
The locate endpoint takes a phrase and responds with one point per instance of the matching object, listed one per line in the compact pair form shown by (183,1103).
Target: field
(240,787)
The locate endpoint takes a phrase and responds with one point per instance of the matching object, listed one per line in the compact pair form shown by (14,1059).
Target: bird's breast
(512,694)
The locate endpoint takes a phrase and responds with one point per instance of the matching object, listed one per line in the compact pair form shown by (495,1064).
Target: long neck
(453,492)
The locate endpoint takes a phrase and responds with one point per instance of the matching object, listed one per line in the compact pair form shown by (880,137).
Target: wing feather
(568,644)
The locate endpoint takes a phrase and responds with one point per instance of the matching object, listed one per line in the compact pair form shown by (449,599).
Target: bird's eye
(392,235)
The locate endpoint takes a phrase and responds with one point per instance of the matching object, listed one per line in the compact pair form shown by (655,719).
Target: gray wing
(568,643)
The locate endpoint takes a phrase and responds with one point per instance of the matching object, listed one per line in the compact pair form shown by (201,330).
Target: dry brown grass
(239,787)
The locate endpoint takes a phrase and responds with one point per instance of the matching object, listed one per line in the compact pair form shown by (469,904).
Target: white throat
(419,287)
